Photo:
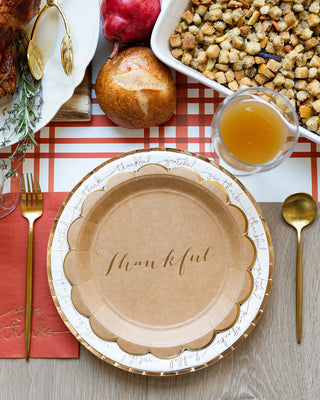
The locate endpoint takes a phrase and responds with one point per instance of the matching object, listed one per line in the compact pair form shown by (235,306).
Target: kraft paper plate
(83,201)
(159,261)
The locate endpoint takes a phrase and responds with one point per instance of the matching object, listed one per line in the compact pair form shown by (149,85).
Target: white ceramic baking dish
(167,21)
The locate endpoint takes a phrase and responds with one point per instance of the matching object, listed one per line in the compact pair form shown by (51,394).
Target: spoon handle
(299,287)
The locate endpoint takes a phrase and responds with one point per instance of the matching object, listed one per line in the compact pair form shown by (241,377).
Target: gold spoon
(299,210)
(34,55)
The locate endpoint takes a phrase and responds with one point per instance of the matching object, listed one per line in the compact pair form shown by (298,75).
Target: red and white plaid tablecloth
(67,151)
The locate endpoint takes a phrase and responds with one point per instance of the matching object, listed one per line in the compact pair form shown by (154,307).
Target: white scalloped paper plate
(188,361)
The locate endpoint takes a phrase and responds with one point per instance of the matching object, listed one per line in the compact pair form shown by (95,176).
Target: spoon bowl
(299,210)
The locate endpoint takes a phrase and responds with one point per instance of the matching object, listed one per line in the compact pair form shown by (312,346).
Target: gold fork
(31,208)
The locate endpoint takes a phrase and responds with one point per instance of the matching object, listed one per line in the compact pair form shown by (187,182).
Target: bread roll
(135,89)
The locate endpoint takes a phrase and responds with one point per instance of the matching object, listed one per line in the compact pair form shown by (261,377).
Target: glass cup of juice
(254,130)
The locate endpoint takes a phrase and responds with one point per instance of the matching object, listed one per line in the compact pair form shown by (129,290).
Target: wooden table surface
(268,365)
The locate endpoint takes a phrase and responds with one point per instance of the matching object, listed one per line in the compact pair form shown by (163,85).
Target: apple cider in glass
(254,130)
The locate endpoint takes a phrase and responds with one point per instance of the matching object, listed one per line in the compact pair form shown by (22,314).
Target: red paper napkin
(50,336)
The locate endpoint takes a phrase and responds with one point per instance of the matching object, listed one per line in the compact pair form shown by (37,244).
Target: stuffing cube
(315,62)
(177,53)
(186,58)
(237,66)
(290,19)
(233,56)
(214,15)
(264,42)
(239,75)
(175,40)
(297,8)
(278,42)
(316,106)
(294,40)
(314,87)
(288,63)
(264,10)
(220,77)
(275,13)
(233,86)
(213,51)
(301,84)
(301,73)
(210,64)
(229,76)
(208,39)
(197,19)
(273,65)
(305,112)
(248,61)
(219,26)
(302,95)
(260,79)
(245,30)
(270,47)
(227,17)
(259,60)
(258,3)
(269,85)
(194,30)
(238,42)
(247,82)
(189,41)
(314,7)
(313,73)
(287,74)
(202,57)
(313,20)
(226,45)
(209,74)
(264,70)
(289,83)
(312,123)
(201,10)
(252,48)
(279,80)
(310,43)
(222,67)
(285,36)
(306,34)
(207,29)
(188,17)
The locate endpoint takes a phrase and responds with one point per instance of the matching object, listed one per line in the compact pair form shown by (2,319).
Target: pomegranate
(128,21)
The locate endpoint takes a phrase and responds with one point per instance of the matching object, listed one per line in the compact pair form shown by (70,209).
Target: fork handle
(29,290)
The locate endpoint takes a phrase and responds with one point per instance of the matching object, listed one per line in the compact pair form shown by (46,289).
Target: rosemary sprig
(22,117)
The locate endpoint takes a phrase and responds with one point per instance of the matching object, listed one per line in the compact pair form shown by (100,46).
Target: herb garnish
(22,117)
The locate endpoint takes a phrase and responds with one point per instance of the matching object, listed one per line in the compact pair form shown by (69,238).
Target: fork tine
(34,194)
(38,190)
(23,191)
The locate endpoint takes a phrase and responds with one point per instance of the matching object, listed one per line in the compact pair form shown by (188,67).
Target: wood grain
(78,108)
(268,365)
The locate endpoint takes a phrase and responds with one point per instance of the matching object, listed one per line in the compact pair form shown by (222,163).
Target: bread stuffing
(245,43)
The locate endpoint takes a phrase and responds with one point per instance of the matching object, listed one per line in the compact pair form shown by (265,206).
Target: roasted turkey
(14,15)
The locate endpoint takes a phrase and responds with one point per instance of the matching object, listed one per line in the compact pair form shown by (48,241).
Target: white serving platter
(84,21)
